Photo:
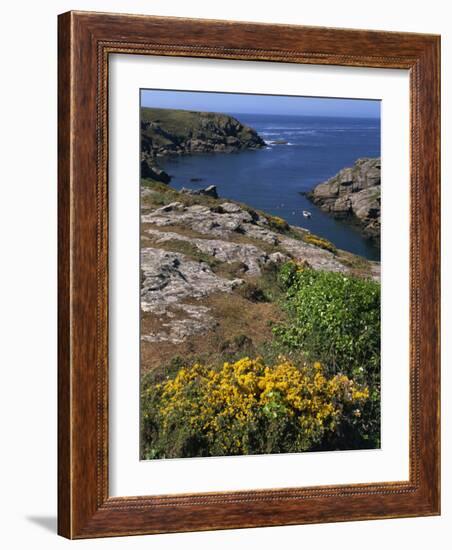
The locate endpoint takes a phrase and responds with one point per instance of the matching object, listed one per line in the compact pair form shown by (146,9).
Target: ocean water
(272,178)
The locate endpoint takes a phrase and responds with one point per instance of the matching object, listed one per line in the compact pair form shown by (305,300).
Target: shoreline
(195,181)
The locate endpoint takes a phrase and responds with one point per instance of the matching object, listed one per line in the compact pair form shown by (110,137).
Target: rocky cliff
(167,132)
(205,259)
(353,194)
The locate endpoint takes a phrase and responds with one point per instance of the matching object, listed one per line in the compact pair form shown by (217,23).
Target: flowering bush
(245,407)
(310,238)
(277,223)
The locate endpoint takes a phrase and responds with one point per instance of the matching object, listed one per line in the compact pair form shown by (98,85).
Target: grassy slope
(175,121)
(181,123)
(244,324)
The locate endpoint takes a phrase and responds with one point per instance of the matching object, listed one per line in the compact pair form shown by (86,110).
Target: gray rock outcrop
(230,220)
(209,191)
(252,257)
(150,170)
(169,278)
(193,251)
(353,194)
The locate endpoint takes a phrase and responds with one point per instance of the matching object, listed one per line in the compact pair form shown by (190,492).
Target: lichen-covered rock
(168,278)
(200,218)
(228,221)
(185,320)
(191,251)
(354,194)
(252,257)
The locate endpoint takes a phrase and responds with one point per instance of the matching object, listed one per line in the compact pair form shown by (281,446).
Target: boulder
(210,191)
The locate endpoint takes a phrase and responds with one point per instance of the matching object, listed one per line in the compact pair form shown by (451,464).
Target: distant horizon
(234,113)
(271,105)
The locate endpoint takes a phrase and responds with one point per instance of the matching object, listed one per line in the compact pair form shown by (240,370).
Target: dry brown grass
(358,266)
(236,318)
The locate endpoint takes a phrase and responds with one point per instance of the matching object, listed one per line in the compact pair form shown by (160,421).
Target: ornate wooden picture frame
(86,40)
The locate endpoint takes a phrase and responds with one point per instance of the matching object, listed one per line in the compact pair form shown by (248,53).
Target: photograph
(259,274)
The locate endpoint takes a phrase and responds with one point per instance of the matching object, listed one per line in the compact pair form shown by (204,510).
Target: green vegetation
(272,330)
(246,407)
(175,121)
(316,386)
(335,319)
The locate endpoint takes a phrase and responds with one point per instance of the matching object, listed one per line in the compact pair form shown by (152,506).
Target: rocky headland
(172,132)
(353,194)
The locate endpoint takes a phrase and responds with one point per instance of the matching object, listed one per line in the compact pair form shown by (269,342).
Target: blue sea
(272,178)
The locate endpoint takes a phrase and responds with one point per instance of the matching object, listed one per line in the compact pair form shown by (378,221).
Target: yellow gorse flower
(230,405)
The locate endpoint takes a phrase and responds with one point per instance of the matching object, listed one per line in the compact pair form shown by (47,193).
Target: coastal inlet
(299,154)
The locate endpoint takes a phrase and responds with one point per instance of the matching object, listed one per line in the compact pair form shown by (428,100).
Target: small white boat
(307,214)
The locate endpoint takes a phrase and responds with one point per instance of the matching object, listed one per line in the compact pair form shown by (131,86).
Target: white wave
(290,130)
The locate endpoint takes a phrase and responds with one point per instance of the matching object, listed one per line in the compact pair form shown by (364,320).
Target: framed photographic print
(248,275)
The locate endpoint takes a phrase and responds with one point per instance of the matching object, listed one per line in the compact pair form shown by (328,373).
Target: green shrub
(335,319)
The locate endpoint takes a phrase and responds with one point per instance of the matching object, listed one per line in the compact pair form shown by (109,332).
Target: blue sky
(260,104)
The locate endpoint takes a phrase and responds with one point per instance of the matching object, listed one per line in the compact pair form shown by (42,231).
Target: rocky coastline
(354,194)
(172,132)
